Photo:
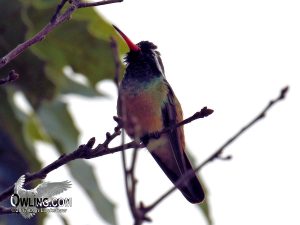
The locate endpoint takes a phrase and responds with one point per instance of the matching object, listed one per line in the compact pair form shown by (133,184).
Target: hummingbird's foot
(154,135)
(145,139)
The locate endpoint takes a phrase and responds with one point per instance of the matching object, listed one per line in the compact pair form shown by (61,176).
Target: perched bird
(146,104)
(43,190)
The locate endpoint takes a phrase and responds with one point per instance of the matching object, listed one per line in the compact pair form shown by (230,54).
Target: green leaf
(12,124)
(85,175)
(71,87)
(33,82)
(59,124)
(64,220)
(82,43)
(204,206)
(68,86)
(34,130)
(43,4)
(17,155)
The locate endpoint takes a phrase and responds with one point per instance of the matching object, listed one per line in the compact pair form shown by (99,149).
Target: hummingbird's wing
(172,114)
(50,189)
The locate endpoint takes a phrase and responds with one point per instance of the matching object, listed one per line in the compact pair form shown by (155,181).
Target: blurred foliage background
(82,45)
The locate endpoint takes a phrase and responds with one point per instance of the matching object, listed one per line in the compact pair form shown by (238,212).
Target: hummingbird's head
(143,59)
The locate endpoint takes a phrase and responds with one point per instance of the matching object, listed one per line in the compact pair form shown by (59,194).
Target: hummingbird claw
(155,135)
(145,139)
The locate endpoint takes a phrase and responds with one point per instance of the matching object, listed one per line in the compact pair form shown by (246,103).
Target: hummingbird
(147,104)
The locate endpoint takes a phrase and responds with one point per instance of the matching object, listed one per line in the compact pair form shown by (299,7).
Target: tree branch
(6,210)
(55,21)
(58,9)
(85,151)
(92,4)
(204,112)
(115,51)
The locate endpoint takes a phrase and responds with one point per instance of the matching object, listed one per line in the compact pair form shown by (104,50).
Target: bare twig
(114,47)
(218,152)
(204,112)
(86,151)
(6,210)
(92,4)
(55,21)
(58,9)
(36,38)
(12,76)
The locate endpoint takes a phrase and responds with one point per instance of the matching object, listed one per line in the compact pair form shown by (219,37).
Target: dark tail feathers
(191,187)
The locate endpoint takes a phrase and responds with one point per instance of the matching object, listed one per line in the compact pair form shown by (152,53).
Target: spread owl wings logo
(28,201)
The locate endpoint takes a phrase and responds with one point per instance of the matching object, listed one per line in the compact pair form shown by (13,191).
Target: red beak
(130,44)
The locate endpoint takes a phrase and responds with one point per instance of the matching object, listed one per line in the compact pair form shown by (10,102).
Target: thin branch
(115,51)
(92,4)
(12,76)
(58,9)
(37,37)
(55,21)
(133,160)
(127,176)
(204,112)
(217,154)
(6,210)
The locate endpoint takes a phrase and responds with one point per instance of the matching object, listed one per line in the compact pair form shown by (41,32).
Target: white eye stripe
(156,55)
